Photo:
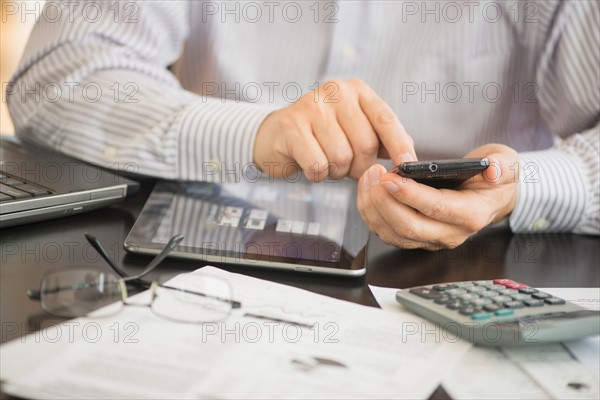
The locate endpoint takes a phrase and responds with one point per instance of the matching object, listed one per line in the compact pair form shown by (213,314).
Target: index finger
(388,127)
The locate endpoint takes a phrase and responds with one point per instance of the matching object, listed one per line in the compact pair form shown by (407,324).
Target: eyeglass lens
(77,292)
(192,298)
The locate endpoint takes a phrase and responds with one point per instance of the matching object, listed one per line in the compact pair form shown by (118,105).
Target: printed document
(283,342)
(568,370)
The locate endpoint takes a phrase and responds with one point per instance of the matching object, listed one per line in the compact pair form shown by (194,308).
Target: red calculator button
(516,286)
(504,282)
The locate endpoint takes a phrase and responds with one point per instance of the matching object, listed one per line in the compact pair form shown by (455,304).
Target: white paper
(587,350)
(352,351)
(524,373)
(554,370)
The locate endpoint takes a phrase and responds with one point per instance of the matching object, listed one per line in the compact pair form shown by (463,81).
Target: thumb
(503,164)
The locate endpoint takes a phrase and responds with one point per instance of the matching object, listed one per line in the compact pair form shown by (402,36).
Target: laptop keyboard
(14,188)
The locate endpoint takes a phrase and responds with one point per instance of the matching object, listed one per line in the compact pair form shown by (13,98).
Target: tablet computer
(300,226)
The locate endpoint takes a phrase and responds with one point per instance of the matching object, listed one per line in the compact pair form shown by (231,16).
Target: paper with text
(546,371)
(283,343)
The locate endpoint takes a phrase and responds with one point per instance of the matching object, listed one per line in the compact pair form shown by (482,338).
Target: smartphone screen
(442,174)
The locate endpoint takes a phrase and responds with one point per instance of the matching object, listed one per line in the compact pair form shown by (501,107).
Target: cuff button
(540,225)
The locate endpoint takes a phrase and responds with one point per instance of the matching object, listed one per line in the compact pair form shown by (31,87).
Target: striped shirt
(178,89)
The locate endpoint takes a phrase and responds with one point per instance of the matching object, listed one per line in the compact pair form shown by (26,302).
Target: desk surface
(551,260)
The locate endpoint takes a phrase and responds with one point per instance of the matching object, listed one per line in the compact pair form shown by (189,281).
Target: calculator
(500,312)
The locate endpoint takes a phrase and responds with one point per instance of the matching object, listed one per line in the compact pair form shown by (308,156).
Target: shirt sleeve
(559,187)
(94,83)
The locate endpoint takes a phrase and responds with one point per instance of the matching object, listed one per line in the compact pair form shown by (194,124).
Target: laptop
(38,184)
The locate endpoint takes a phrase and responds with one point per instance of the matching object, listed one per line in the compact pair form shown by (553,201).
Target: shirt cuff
(216,141)
(552,193)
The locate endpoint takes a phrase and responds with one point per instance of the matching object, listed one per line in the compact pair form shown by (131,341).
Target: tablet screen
(270,221)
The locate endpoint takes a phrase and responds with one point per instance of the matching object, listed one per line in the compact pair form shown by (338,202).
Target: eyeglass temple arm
(234,303)
(175,240)
(37,294)
(96,245)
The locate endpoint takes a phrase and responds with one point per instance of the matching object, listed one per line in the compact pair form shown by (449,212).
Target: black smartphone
(442,174)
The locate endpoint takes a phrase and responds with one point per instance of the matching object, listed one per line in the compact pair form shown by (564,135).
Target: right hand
(335,131)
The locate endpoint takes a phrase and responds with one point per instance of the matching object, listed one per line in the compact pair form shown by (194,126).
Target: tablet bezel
(140,239)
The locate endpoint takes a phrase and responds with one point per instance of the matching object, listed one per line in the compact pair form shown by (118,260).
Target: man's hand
(408,214)
(336,131)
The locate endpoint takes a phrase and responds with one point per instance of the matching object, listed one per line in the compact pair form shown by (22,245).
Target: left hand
(408,214)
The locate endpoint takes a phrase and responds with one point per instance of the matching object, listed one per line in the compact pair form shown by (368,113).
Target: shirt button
(540,225)
(348,52)
(110,153)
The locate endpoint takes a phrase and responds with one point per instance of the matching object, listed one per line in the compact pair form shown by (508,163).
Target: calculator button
(441,288)
(489,293)
(443,300)
(528,290)
(507,292)
(501,299)
(468,310)
(554,301)
(477,289)
(455,292)
(481,302)
(426,293)
(464,284)
(504,282)
(484,283)
(467,297)
(5,197)
(516,286)
(534,303)
(504,312)
(454,305)
(493,307)
(541,295)
(514,304)
(495,287)
(481,315)
(520,296)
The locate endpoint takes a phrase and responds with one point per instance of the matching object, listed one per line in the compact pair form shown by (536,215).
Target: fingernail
(365,180)
(373,176)
(390,186)
(407,157)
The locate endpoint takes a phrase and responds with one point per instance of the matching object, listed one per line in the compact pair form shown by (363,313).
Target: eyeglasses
(76,292)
